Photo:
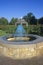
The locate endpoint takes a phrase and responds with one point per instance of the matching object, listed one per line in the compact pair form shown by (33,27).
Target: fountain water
(20,35)
(20,31)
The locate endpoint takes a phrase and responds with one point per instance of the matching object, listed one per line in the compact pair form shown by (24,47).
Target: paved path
(9,61)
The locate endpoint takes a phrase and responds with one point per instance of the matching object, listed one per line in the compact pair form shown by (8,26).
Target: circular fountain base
(21,50)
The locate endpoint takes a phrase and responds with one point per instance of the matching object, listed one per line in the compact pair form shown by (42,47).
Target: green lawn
(2,33)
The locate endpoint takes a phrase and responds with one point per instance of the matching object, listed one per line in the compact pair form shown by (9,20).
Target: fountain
(20,35)
(20,45)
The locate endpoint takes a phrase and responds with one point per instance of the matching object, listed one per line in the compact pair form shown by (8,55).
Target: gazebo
(21,21)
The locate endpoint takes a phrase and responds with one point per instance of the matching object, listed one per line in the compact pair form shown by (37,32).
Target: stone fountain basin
(20,50)
(5,39)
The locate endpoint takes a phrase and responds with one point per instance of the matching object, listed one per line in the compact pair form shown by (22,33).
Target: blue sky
(19,8)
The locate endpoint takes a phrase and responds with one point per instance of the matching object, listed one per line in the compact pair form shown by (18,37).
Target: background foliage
(35,26)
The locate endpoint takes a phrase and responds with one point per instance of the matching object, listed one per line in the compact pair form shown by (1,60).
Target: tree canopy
(13,20)
(41,20)
(30,18)
(33,20)
(3,21)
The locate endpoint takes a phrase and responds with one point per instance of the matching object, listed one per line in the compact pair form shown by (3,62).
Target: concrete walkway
(33,61)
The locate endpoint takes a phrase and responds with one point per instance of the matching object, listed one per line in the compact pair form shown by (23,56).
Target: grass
(2,33)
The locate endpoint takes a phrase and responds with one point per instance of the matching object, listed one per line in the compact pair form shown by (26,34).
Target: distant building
(21,21)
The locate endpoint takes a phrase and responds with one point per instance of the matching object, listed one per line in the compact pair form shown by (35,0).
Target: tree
(33,20)
(41,21)
(28,17)
(13,20)
(41,24)
(3,21)
(25,18)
